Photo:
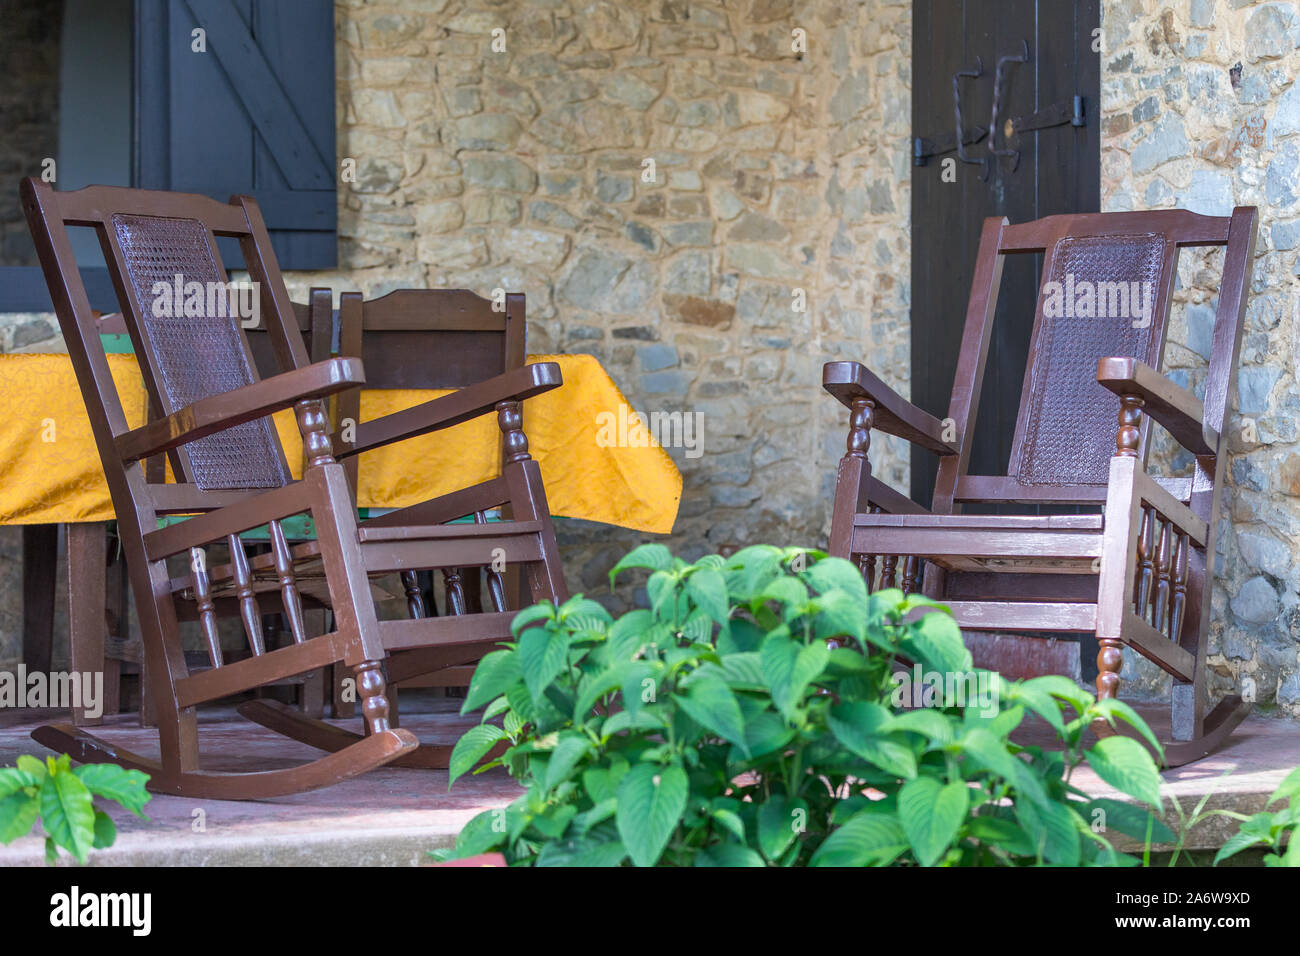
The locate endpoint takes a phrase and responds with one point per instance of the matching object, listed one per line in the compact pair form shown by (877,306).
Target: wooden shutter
(253,114)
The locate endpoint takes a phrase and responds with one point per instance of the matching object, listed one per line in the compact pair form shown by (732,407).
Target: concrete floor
(388,817)
(394,817)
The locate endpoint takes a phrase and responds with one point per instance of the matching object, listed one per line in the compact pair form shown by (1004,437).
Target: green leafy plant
(62,796)
(1270,829)
(750,716)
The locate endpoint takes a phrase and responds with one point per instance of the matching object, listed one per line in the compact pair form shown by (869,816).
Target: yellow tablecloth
(50,471)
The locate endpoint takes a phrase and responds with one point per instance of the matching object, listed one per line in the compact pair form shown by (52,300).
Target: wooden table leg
(87,542)
(40,565)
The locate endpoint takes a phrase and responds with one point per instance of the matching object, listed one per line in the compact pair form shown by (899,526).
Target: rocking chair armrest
(462,405)
(893,415)
(219,412)
(1177,409)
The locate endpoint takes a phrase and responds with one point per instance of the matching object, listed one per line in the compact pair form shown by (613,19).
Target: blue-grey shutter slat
(254,114)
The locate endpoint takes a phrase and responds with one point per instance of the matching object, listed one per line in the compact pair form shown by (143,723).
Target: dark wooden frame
(433,339)
(346,551)
(1137,575)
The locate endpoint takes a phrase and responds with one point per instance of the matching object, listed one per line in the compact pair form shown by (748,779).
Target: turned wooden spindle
(862,415)
(1130,426)
(1178,606)
(1110,658)
(911,567)
(414,596)
(866,567)
(203,600)
(288,584)
(1145,554)
(889,573)
(496,584)
(313,423)
(455,591)
(372,689)
(1164,571)
(510,419)
(248,609)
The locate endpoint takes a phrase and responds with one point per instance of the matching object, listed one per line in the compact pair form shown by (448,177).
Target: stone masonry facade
(505,145)
(1200,110)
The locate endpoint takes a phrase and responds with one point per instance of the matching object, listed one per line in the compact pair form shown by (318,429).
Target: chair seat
(1022,543)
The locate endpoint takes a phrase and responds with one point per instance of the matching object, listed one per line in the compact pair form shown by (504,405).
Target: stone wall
(1201,111)
(778,177)
(29,104)
(776,172)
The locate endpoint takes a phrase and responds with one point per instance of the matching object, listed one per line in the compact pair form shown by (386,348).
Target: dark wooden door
(1057,170)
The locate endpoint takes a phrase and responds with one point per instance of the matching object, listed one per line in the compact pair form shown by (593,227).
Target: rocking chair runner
(1138,574)
(231,476)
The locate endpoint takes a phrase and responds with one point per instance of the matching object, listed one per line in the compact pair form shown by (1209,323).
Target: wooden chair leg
(342,708)
(40,566)
(112,686)
(311,694)
(86,602)
(148,710)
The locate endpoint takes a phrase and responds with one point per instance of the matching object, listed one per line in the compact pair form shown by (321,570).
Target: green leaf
(105,830)
(838,615)
(492,678)
(712,705)
(1037,699)
(994,831)
(31,765)
(766,732)
(788,669)
(935,640)
(929,723)
(662,590)
(780,820)
(542,656)
(1062,688)
(1127,819)
(655,557)
(831,574)
(116,783)
(931,815)
(785,591)
(628,634)
(708,589)
(12,779)
(1053,828)
(728,854)
(543,611)
(651,800)
(750,569)
(17,816)
(485,831)
(1289,787)
(990,753)
(67,813)
(566,755)
(625,676)
(730,822)
(745,670)
(864,728)
(471,748)
(867,839)
(1112,709)
(1127,766)
(598,847)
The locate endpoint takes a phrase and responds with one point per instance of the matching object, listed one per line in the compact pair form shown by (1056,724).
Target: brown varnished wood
(1137,574)
(333,571)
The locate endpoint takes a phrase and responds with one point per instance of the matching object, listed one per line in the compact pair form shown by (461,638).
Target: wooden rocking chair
(1138,574)
(211,420)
